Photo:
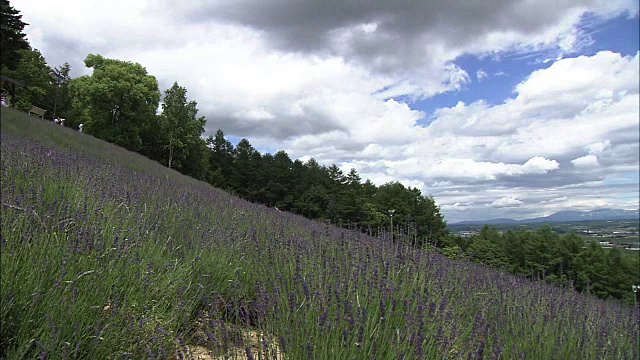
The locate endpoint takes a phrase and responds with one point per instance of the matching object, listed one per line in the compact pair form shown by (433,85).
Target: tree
(221,159)
(315,174)
(593,274)
(12,37)
(245,167)
(196,162)
(352,201)
(32,69)
(183,127)
(116,101)
(313,203)
(280,180)
(485,248)
(411,206)
(60,95)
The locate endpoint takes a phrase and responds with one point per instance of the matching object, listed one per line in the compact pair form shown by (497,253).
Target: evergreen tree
(244,164)
(12,36)
(281,180)
(221,160)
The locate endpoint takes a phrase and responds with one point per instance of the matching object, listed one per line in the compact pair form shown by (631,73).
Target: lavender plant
(107,255)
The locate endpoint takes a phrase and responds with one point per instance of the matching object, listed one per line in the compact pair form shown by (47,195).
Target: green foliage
(182,126)
(221,159)
(116,101)
(61,96)
(563,260)
(245,165)
(33,71)
(12,36)
(313,203)
(452,252)
(323,193)
(486,248)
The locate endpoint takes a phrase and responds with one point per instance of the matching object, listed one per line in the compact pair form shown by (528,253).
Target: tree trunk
(170,155)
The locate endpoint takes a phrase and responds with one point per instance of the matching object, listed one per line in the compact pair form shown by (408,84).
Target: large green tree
(412,210)
(12,36)
(33,71)
(117,101)
(183,127)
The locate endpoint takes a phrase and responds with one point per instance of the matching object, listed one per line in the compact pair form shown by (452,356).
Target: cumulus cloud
(506,202)
(539,165)
(527,142)
(587,161)
(409,43)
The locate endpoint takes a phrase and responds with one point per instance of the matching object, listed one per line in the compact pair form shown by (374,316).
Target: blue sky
(505,70)
(393,91)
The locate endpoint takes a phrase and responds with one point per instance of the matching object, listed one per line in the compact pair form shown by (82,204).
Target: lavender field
(106,255)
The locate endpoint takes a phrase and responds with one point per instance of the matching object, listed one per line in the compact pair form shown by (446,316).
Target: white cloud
(539,165)
(587,161)
(527,142)
(599,147)
(481,74)
(506,202)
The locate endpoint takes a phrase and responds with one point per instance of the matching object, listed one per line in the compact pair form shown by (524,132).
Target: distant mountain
(566,216)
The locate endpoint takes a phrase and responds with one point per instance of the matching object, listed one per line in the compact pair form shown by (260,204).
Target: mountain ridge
(564,216)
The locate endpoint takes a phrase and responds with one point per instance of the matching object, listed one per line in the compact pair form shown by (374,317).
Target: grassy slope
(106,254)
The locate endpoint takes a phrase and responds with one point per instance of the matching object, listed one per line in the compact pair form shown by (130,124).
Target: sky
(495,108)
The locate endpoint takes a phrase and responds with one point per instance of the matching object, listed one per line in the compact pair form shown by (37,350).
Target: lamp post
(58,78)
(391,214)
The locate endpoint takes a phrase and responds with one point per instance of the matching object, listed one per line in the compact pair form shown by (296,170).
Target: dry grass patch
(230,342)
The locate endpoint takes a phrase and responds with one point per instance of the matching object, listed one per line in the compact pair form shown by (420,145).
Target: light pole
(391,214)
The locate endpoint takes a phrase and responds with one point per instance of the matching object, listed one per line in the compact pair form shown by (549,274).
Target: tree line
(119,103)
(565,260)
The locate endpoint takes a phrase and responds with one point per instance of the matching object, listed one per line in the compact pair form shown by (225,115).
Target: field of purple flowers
(106,255)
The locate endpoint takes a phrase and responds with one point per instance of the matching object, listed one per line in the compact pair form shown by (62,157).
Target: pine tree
(12,37)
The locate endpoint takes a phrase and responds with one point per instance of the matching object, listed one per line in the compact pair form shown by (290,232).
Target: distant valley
(564,216)
(610,227)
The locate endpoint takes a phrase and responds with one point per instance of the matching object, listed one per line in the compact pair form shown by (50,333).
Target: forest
(120,102)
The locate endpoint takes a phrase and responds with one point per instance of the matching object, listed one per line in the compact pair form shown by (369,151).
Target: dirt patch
(259,345)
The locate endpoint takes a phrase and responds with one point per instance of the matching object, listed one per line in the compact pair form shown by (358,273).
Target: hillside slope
(106,254)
